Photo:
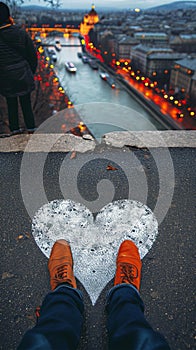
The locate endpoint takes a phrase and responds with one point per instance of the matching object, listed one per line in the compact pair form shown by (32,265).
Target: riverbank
(163,117)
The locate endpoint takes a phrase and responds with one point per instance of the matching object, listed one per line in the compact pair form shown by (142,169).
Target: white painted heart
(94,243)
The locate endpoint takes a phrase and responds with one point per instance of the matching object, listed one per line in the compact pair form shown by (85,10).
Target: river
(101,108)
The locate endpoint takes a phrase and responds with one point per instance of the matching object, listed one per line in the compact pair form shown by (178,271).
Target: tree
(55,4)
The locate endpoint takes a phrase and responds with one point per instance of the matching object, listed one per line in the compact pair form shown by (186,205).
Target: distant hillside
(34,8)
(81,7)
(177,5)
(117,5)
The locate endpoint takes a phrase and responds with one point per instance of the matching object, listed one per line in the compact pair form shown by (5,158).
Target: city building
(89,20)
(123,45)
(152,38)
(184,43)
(156,63)
(183,77)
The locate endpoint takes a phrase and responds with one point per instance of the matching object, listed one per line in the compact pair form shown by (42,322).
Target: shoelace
(128,273)
(61,272)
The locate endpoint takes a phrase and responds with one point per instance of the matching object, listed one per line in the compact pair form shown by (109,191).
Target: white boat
(58,46)
(52,53)
(103,75)
(111,82)
(85,59)
(92,63)
(70,67)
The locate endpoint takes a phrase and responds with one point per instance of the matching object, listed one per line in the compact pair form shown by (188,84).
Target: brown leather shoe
(128,264)
(60,265)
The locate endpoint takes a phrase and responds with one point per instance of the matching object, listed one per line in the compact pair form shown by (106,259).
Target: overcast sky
(106,3)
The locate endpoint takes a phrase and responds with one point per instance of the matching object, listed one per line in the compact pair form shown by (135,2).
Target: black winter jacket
(18,62)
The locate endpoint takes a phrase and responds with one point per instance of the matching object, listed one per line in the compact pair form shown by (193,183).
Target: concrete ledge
(46,143)
(69,142)
(143,139)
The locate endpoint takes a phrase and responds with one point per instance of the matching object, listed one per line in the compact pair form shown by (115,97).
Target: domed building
(89,21)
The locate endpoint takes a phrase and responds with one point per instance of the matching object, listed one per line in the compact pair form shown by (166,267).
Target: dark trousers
(25,102)
(60,323)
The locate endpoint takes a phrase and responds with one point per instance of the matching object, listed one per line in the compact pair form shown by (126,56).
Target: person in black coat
(18,62)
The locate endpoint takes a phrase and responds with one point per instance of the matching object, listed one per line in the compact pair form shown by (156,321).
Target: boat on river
(93,64)
(105,76)
(70,67)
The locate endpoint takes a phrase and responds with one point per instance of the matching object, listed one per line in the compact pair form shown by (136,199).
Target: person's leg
(61,315)
(25,102)
(127,326)
(12,105)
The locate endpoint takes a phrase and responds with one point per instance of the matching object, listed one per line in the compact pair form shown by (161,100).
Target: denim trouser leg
(127,326)
(60,322)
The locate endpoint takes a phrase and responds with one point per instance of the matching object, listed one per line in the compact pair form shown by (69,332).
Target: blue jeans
(60,323)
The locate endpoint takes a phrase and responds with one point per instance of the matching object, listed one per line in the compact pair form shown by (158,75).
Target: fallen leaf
(19,237)
(6,275)
(73,155)
(110,167)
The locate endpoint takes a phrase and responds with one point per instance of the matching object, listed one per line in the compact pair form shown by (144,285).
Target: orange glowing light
(40,49)
(82,126)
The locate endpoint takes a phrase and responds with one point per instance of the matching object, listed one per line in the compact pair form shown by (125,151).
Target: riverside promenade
(156,168)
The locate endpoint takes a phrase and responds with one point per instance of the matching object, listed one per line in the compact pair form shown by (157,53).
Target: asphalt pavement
(168,268)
